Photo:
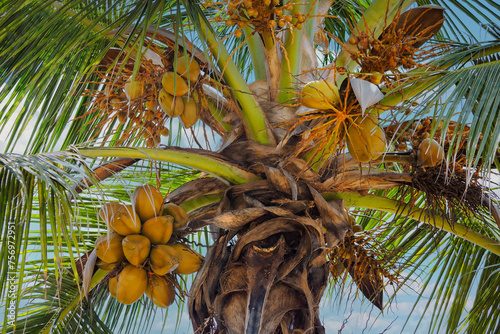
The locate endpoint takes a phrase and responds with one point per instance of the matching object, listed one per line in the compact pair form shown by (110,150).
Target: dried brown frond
(450,195)
(370,266)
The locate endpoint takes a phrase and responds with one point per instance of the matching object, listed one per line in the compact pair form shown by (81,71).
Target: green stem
(185,157)
(425,216)
(256,54)
(251,113)
(290,62)
(310,23)
(200,201)
(98,276)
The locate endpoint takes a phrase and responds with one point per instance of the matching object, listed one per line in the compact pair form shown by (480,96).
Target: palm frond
(59,45)
(467,20)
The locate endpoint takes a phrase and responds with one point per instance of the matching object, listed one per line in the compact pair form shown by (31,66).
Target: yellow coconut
(113,284)
(173,107)
(356,228)
(181,218)
(107,211)
(134,89)
(147,201)
(165,132)
(150,104)
(376,78)
(320,95)
(188,68)
(160,291)
(164,259)
(430,153)
(366,139)
(132,283)
(190,262)
(174,84)
(190,114)
(136,248)
(158,229)
(105,265)
(125,221)
(108,247)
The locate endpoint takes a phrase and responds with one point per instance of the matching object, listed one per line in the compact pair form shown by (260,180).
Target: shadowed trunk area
(268,269)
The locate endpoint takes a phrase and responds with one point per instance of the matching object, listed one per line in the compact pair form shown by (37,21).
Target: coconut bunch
(261,15)
(364,136)
(174,95)
(139,248)
(166,85)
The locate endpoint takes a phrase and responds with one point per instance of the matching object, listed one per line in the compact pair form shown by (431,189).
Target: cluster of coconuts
(365,138)
(140,250)
(261,15)
(173,96)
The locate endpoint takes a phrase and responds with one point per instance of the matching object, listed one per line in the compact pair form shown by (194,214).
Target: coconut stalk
(186,157)
(290,62)
(272,63)
(256,53)
(423,215)
(251,113)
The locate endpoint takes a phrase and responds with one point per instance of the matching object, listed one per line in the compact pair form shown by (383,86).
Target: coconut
(430,153)
(107,211)
(147,201)
(174,84)
(190,113)
(188,68)
(158,229)
(136,248)
(172,106)
(181,218)
(112,285)
(320,95)
(160,291)
(190,262)
(134,89)
(105,265)
(366,139)
(132,283)
(125,221)
(164,259)
(109,247)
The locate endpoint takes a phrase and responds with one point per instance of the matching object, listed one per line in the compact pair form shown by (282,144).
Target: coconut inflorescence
(139,251)
(144,100)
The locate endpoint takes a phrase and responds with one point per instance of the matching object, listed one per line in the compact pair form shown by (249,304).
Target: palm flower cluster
(262,16)
(398,49)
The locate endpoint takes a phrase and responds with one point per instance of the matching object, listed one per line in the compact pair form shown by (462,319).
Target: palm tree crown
(280,150)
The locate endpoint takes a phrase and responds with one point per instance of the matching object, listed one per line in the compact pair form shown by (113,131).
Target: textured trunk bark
(267,273)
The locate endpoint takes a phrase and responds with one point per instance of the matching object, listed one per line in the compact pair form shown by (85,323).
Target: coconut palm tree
(336,142)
